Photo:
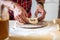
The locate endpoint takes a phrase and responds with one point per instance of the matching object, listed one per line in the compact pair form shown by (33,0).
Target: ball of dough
(33,20)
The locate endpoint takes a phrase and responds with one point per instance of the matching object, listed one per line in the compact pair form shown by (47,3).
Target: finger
(16,18)
(20,19)
(41,18)
(26,14)
(25,18)
(42,11)
(22,16)
(36,13)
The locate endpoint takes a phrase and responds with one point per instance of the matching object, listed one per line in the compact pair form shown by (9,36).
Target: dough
(33,20)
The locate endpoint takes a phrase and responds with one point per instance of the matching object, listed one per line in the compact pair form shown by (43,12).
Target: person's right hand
(22,15)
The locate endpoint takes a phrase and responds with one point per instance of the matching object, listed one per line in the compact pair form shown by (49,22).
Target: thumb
(36,13)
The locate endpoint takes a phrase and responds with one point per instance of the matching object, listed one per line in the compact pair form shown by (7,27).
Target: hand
(22,16)
(40,9)
(19,13)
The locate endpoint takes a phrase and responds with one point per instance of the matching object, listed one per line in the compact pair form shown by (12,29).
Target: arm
(43,1)
(20,13)
(40,10)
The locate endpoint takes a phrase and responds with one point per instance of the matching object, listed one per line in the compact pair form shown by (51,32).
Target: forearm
(43,1)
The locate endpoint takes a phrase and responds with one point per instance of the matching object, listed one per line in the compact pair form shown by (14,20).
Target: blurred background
(51,7)
(59,10)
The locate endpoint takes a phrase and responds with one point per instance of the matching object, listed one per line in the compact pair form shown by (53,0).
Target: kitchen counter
(50,32)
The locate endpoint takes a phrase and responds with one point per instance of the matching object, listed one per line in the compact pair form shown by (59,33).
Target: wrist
(40,6)
(40,3)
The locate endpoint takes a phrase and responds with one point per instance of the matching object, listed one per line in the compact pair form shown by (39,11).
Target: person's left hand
(40,10)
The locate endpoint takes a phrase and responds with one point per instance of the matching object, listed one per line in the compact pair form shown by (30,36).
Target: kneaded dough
(33,20)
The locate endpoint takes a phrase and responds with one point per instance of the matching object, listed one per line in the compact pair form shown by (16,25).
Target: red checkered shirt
(26,4)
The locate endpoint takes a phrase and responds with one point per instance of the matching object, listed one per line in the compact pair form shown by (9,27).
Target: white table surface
(13,30)
(21,31)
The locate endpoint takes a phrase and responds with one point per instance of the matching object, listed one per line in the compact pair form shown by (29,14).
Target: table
(47,33)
